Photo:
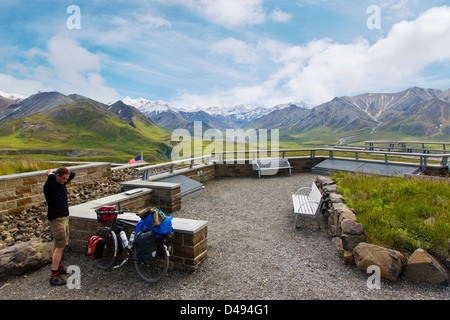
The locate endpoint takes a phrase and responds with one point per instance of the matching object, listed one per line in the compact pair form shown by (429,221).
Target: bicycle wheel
(109,249)
(155,270)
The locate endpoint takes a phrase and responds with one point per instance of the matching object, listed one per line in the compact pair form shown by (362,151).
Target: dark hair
(62,171)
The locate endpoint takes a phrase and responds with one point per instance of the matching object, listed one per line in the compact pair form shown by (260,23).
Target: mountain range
(79,123)
(172,117)
(415,113)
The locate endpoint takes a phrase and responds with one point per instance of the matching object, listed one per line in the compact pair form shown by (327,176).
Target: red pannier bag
(94,248)
(105,214)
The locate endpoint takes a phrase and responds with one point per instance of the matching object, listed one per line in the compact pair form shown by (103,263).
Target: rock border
(349,240)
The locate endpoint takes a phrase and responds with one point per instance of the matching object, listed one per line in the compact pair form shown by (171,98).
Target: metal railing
(344,153)
(408,146)
(349,153)
(171,167)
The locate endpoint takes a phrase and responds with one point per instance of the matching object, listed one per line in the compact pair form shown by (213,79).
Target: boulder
(349,259)
(333,224)
(425,268)
(331,188)
(390,262)
(337,241)
(347,214)
(24,257)
(339,207)
(447,261)
(349,226)
(323,181)
(350,241)
(336,198)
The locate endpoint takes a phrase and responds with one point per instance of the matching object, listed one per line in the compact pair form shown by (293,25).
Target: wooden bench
(307,204)
(271,165)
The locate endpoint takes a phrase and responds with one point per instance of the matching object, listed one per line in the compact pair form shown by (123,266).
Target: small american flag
(135,160)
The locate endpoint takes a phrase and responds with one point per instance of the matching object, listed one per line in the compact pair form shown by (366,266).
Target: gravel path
(254,253)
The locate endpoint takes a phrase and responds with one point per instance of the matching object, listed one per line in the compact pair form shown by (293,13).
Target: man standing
(55,192)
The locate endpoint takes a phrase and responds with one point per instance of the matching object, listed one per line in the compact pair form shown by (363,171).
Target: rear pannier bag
(146,246)
(94,248)
(105,214)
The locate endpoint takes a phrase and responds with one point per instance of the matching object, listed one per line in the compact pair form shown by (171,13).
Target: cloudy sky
(223,52)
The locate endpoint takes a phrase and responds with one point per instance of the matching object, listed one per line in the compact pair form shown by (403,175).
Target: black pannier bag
(146,246)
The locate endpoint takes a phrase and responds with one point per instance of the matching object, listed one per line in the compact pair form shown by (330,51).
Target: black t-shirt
(56,197)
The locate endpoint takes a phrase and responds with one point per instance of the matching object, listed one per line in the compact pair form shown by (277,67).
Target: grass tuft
(398,213)
(10,166)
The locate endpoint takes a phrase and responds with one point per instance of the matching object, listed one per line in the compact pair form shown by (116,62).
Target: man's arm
(71,176)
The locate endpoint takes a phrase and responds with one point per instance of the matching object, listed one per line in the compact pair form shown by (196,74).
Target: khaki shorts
(60,231)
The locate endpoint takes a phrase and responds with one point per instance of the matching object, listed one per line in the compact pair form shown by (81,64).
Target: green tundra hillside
(83,131)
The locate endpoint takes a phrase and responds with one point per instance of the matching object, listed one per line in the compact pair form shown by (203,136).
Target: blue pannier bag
(146,223)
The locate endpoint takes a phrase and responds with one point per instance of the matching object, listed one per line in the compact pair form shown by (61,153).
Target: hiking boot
(57,281)
(62,270)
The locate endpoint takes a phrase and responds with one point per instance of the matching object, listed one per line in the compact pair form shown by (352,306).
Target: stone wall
(165,196)
(302,165)
(201,174)
(190,236)
(189,249)
(243,168)
(20,192)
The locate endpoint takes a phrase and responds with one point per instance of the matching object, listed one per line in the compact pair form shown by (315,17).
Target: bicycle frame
(116,225)
(151,271)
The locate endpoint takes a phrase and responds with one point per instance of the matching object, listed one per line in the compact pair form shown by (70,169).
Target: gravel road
(254,253)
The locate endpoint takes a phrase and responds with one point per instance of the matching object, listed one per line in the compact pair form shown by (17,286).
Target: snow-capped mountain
(239,114)
(12,96)
(7,99)
(147,106)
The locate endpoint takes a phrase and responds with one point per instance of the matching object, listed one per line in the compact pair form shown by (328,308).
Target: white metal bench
(307,205)
(270,165)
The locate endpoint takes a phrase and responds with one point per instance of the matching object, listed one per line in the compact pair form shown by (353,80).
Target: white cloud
(69,68)
(227,13)
(279,16)
(322,69)
(238,50)
(25,87)
(152,21)
(233,13)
